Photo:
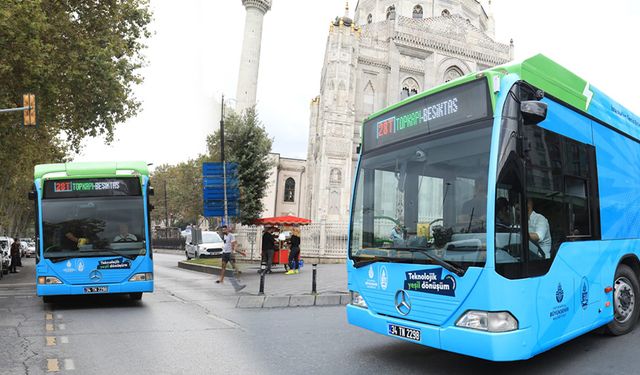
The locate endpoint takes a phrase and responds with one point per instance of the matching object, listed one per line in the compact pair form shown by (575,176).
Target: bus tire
(47,299)
(135,296)
(626,291)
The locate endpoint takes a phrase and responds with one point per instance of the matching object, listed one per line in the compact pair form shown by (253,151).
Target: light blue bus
(498,215)
(92,226)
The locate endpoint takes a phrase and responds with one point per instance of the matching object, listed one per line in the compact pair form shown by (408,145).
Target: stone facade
(285,192)
(391,50)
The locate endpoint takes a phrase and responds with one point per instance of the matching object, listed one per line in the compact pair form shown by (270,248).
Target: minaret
(250,58)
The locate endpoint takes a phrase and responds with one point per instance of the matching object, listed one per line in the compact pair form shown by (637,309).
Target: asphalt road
(186,327)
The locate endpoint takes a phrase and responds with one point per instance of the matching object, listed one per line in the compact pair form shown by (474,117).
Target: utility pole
(224,165)
(166,208)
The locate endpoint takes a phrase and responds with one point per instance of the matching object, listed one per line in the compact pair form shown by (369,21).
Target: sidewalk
(282,290)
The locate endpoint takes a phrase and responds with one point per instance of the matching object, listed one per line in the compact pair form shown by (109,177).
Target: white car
(211,246)
(31,249)
(5,253)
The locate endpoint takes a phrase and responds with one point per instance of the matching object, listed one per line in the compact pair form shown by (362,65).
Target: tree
(80,59)
(248,144)
(184,192)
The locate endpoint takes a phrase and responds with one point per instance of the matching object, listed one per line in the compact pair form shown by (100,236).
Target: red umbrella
(283,220)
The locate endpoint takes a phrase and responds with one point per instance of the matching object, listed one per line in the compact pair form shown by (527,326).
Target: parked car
(5,246)
(211,246)
(31,249)
(24,244)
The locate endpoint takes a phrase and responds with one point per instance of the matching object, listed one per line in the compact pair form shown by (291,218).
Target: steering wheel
(53,248)
(126,239)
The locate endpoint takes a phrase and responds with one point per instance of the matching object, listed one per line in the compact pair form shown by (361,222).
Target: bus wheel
(625,293)
(135,296)
(47,299)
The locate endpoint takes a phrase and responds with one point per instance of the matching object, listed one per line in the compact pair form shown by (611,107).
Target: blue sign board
(213,189)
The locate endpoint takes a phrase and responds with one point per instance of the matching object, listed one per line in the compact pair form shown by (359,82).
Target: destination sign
(457,105)
(78,188)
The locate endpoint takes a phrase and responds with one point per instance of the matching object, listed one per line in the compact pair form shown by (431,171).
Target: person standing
(15,255)
(229,248)
(268,248)
(294,253)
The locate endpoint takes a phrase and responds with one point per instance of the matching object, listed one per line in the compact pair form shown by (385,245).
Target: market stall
(284,226)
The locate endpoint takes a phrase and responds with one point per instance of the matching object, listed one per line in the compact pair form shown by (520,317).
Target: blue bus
(92,229)
(497,215)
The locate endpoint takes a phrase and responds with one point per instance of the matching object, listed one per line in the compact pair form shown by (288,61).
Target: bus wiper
(448,265)
(362,263)
(128,256)
(61,259)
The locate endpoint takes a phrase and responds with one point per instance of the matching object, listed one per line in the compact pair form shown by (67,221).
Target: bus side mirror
(533,111)
(32,195)
(358,148)
(151,192)
(151,207)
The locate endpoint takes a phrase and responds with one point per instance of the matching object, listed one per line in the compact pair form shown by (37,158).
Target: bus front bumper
(503,346)
(67,289)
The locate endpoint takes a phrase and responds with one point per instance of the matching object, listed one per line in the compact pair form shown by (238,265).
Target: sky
(194,52)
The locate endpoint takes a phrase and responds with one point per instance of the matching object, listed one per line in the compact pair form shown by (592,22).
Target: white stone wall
(365,68)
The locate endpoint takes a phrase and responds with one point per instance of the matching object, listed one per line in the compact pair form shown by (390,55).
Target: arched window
(452,73)
(369,18)
(289,190)
(446,13)
(391,12)
(409,88)
(368,99)
(417,11)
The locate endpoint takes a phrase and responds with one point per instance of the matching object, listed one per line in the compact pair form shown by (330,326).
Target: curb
(304,300)
(213,270)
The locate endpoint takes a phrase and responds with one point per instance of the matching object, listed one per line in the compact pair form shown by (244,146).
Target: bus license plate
(96,289)
(404,332)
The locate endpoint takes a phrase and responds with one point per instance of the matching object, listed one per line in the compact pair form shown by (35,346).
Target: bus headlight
(146,276)
(48,280)
(357,300)
(501,321)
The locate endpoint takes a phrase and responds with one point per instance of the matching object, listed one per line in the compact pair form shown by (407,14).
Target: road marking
(53,365)
(64,339)
(49,327)
(226,322)
(62,326)
(51,341)
(58,316)
(48,316)
(68,364)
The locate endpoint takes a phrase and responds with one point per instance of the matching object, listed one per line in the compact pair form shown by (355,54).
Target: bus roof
(90,169)
(556,81)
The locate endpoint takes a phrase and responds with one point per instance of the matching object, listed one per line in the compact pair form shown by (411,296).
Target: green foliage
(248,144)
(184,193)
(79,57)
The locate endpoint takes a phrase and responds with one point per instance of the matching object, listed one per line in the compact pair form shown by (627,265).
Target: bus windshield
(96,226)
(426,194)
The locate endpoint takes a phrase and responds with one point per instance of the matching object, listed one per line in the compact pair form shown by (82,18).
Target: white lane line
(58,316)
(64,339)
(61,327)
(68,364)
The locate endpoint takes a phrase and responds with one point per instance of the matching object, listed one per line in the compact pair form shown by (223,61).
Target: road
(185,327)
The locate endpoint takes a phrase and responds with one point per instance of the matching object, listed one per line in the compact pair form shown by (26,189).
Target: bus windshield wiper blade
(448,265)
(366,262)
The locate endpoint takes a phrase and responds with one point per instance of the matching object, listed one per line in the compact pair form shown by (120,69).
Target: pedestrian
(268,248)
(294,252)
(227,257)
(15,255)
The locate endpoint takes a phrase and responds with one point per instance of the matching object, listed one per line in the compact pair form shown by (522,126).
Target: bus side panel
(570,297)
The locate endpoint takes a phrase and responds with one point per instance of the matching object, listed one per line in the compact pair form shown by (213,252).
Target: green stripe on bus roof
(90,169)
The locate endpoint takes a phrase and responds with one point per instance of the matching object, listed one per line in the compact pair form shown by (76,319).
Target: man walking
(227,250)
(15,255)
